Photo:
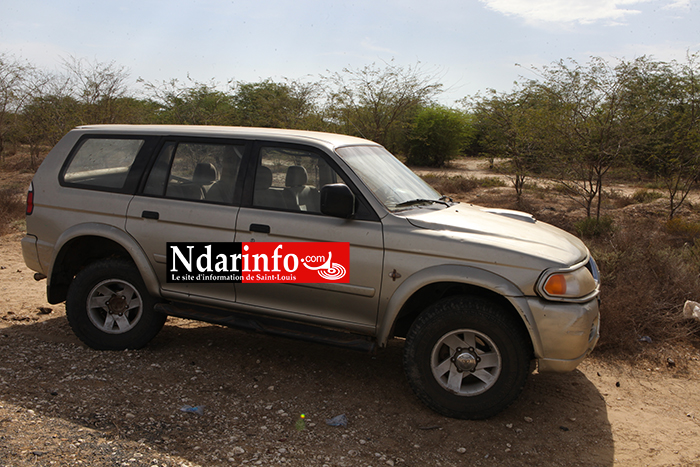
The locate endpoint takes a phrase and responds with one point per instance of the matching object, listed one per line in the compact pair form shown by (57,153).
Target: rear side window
(196,171)
(102,163)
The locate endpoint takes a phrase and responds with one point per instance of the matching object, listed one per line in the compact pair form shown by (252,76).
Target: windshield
(391,182)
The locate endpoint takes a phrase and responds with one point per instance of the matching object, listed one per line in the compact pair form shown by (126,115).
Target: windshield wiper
(413,202)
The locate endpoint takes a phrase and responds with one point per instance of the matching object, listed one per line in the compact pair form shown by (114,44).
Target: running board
(268,325)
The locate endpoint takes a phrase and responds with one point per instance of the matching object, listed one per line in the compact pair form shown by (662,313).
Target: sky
(467,45)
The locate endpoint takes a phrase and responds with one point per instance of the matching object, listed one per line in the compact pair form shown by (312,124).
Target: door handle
(262,228)
(150,215)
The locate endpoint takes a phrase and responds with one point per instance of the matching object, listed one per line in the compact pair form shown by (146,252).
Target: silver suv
(115,211)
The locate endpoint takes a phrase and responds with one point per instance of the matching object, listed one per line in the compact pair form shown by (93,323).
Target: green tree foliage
(592,130)
(512,126)
(669,143)
(193,104)
(437,135)
(276,105)
(378,103)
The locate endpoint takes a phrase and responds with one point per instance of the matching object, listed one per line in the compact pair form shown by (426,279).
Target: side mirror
(337,200)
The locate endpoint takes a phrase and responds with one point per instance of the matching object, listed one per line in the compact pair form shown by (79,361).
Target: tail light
(30,199)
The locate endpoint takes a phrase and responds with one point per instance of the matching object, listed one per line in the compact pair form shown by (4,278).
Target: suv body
(477,293)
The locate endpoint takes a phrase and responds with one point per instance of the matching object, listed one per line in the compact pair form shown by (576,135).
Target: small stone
(528,419)
(462,450)
(130,415)
(509,425)
(237,450)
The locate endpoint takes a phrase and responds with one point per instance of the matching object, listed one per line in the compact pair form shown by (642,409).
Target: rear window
(102,163)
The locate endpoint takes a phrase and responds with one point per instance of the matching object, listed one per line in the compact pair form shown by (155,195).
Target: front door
(286,208)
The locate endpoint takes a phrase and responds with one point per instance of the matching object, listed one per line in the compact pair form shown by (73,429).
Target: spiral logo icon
(333,273)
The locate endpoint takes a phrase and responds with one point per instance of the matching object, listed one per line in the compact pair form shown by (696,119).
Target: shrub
(454,185)
(645,282)
(437,135)
(11,208)
(646,196)
(683,230)
(592,227)
(491,182)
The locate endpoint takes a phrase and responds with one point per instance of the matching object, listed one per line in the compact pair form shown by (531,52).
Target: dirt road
(62,403)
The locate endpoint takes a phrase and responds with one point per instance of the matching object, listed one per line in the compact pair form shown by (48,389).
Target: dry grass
(12,207)
(647,277)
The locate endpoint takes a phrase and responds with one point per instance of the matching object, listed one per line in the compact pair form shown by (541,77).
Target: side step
(268,325)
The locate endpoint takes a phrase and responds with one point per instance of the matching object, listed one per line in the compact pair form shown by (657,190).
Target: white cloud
(678,4)
(568,11)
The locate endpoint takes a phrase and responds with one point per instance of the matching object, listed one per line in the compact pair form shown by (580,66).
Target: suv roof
(275,134)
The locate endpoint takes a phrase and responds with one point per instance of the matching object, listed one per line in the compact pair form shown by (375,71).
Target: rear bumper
(567,332)
(31,254)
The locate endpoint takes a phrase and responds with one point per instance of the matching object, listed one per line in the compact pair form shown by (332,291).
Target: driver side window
(291,180)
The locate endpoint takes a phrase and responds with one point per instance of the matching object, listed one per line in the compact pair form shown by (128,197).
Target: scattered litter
(433,427)
(691,310)
(646,339)
(199,410)
(301,423)
(340,420)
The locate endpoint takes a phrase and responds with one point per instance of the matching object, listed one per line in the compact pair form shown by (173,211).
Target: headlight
(569,284)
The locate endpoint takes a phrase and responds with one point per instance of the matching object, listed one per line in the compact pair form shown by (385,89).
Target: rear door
(190,195)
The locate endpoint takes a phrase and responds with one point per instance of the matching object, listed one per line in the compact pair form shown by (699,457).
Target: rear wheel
(466,358)
(109,308)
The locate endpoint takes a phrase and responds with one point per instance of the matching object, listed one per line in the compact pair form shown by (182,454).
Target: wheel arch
(430,285)
(86,243)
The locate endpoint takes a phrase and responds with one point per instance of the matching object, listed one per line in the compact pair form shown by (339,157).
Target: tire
(464,357)
(109,308)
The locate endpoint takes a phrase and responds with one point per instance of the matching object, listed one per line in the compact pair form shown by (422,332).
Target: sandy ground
(62,403)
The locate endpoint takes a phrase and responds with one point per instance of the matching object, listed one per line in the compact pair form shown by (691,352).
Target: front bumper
(563,333)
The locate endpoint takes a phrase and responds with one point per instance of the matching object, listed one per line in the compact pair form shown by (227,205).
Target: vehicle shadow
(251,390)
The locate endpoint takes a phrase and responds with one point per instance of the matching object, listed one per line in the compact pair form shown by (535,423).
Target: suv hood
(502,229)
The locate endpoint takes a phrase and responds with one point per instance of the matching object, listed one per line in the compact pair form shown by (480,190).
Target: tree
(101,88)
(194,104)
(670,150)
(590,128)
(377,103)
(438,134)
(276,105)
(13,74)
(513,126)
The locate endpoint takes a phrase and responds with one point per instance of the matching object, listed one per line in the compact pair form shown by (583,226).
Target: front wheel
(466,358)
(109,308)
